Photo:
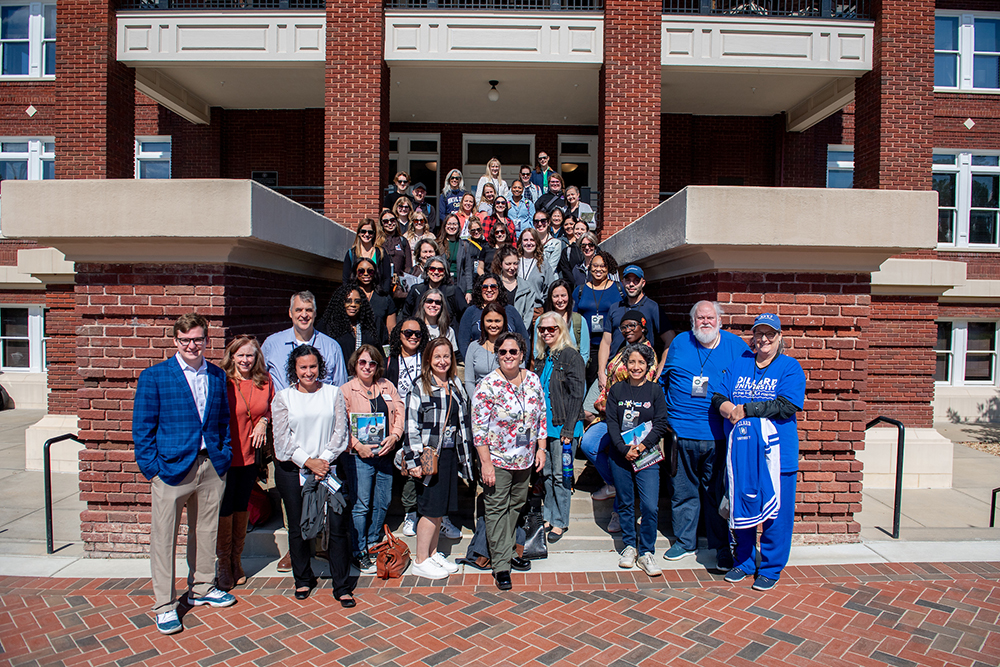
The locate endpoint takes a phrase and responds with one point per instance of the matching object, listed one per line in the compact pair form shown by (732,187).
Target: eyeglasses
(366,272)
(500,232)
(475,230)
(352,302)
(548,330)
(770,335)
(367,364)
(410,333)
(402,181)
(543,157)
(434,302)
(587,245)
(454,178)
(628,326)
(490,288)
(508,353)
(184,342)
(435,269)
(526,173)
(402,206)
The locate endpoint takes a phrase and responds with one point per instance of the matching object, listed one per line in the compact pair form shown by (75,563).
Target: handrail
(47,472)
(900,438)
(993,507)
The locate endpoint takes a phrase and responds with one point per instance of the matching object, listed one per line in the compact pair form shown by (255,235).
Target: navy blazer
(166,429)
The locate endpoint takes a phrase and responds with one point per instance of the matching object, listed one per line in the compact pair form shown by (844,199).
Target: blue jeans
(558,496)
(595,443)
(701,465)
(371,494)
(648,483)
(775,537)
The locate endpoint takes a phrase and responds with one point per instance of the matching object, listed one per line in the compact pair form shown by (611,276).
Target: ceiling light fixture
(494,94)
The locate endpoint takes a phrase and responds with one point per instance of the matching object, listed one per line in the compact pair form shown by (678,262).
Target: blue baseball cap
(770,319)
(632,270)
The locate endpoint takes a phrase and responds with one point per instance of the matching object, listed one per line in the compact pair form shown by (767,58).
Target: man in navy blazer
(180,427)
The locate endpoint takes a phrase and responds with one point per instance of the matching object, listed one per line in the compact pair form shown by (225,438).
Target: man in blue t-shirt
(695,359)
(634,283)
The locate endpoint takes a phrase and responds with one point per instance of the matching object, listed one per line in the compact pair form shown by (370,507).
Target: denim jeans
(701,465)
(648,483)
(371,494)
(775,537)
(595,443)
(558,496)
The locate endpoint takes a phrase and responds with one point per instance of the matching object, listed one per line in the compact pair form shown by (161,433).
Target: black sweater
(648,400)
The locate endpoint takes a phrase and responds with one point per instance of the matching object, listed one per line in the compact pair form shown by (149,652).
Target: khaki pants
(201,490)
(502,504)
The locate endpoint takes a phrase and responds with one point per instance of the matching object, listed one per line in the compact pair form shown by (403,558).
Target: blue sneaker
(676,552)
(213,598)
(762,583)
(736,575)
(168,622)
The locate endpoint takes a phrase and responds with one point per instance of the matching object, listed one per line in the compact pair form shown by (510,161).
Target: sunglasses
(367,364)
(434,302)
(540,221)
(548,330)
(367,232)
(402,181)
(475,230)
(366,272)
(435,269)
(526,173)
(490,288)
(410,333)
(508,353)
(403,206)
(587,245)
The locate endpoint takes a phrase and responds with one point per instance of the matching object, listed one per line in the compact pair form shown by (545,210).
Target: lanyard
(406,367)
(756,383)
(519,395)
(705,361)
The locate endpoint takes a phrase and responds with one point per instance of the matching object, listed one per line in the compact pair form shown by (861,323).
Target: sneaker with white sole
(615,525)
(366,565)
(648,565)
(429,569)
(450,530)
(168,622)
(629,554)
(445,564)
(410,524)
(606,492)
(213,598)
(676,552)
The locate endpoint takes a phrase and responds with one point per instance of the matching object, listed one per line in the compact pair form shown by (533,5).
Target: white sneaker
(606,492)
(615,525)
(648,565)
(628,557)
(410,524)
(450,530)
(429,569)
(445,564)
(168,622)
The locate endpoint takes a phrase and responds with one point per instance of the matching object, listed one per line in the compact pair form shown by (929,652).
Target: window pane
(14,170)
(423,146)
(14,322)
(984,191)
(943,336)
(48,170)
(15,354)
(985,161)
(946,225)
(154,147)
(986,72)
(840,156)
(49,14)
(987,33)
(983,227)
(941,369)
(509,154)
(15,58)
(154,169)
(946,33)
(14,22)
(14,147)
(944,185)
(982,336)
(840,178)
(49,147)
(944,159)
(979,367)
(576,148)
(50,58)
(575,173)
(393,146)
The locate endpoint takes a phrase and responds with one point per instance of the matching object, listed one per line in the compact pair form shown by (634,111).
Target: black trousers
(239,484)
(286,479)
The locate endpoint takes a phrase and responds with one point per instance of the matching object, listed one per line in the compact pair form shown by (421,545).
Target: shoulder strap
(577,320)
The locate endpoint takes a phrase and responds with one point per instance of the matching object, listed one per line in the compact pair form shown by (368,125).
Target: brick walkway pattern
(889,614)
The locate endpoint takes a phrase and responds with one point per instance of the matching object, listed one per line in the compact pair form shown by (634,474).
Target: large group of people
(433,364)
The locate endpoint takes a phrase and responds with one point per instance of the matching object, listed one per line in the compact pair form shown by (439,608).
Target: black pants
(286,478)
(239,484)
(593,364)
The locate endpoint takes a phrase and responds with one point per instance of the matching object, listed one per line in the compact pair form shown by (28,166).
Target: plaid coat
(424,419)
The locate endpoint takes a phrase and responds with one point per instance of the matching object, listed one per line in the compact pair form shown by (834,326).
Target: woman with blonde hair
(493,177)
(465,210)
(487,196)
(419,229)
(250,391)
(402,210)
(451,194)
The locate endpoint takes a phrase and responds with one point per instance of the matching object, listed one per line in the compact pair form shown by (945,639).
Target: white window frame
(508,172)
(965,170)
(154,156)
(966,52)
(41,151)
(35,338)
(838,165)
(36,41)
(590,158)
(959,352)
(403,155)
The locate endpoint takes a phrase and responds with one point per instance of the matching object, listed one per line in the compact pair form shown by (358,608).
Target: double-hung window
(27,40)
(152,157)
(968,187)
(967,52)
(22,346)
(966,353)
(27,159)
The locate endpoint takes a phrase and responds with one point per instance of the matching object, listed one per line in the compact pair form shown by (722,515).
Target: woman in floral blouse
(509,430)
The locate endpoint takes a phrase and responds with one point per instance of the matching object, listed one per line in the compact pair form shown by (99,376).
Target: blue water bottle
(567,464)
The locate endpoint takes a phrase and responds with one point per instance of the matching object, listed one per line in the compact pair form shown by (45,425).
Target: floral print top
(500,410)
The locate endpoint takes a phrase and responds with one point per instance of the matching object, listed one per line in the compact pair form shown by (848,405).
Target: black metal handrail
(47,472)
(826,9)
(500,5)
(900,439)
(217,5)
(993,507)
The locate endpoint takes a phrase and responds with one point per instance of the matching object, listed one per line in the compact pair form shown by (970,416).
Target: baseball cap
(419,186)
(632,270)
(770,319)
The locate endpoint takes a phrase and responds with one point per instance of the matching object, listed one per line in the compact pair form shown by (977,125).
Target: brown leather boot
(239,538)
(223,552)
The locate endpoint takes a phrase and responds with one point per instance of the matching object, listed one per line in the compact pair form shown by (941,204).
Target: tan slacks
(201,490)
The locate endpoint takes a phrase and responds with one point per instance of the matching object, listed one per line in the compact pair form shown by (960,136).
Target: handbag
(392,556)
(429,456)
(535,545)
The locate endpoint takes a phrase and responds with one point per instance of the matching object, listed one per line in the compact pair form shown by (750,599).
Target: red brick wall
(61,323)
(195,149)
(629,112)
(95,95)
(824,320)
(356,125)
(9,248)
(901,375)
(125,314)
(287,141)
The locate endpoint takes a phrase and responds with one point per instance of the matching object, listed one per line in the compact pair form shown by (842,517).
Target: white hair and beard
(707,335)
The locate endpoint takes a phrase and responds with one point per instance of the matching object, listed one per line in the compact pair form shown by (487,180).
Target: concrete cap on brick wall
(708,228)
(208,221)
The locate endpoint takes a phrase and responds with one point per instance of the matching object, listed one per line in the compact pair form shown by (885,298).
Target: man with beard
(695,362)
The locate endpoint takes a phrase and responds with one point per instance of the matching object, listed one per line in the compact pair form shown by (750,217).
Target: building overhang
(917,277)
(812,230)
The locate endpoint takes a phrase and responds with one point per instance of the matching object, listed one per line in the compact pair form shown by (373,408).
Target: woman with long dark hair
(368,242)
(382,304)
(350,321)
(486,289)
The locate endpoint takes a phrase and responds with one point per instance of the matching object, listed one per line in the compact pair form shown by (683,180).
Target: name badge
(628,419)
(597,323)
(699,386)
(449,437)
(523,440)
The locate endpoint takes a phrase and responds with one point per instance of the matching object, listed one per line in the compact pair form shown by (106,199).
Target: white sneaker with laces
(628,557)
(606,492)
(429,569)
(615,525)
(445,564)
(648,565)
(410,524)
(168,622)
(450,530)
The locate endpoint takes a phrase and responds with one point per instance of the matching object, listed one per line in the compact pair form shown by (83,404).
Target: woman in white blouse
(310,433)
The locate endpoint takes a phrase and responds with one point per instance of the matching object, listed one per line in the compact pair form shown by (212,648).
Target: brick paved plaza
(881,614)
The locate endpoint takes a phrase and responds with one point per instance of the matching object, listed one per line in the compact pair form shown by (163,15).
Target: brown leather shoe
(285,564)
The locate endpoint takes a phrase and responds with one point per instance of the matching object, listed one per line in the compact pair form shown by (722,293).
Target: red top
(247,405)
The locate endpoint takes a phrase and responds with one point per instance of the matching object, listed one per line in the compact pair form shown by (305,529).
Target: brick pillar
(894,102)
(901,376)
(629,112)
(61,322)
(95,95)
(823,317)
(357,110)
